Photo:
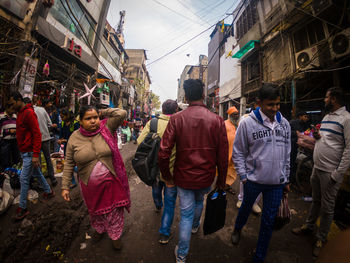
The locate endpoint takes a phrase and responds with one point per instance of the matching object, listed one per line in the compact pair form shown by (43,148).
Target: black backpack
(145,162)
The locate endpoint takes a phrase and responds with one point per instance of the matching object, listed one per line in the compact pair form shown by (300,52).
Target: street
(60,230)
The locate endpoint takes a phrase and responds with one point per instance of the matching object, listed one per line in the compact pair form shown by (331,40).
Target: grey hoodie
(260,154)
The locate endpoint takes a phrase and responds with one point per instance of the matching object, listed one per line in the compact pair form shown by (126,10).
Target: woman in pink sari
(101,172)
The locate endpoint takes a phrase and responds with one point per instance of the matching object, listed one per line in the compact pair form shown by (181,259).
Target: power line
(174,11)
(84,34)
(168,53)
(182,29)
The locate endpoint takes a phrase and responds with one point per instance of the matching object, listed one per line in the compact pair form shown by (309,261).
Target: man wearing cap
(231,125)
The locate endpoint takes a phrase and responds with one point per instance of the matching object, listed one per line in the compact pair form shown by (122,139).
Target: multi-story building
(137,74)
(230,77)
(64,45)
(301,45)
(180,88)
(112,57)
(192,72)
(213,81)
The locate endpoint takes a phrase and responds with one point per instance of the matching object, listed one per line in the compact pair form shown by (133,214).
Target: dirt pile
(47,233)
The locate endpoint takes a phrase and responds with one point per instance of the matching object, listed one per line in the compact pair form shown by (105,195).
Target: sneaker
(179,259)
(21,213)
(164,239)
(256,209)
(48,196)
(158,209)
(317,248)
(303,230)
(239,203)
(236,237)
(117,244)
(195,229)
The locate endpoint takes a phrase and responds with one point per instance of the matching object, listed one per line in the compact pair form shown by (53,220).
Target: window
(309,35)
(62,14)
(111,51)
(247,19)
(268,5)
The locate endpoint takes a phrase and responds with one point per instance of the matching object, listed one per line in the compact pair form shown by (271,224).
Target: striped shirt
(332,151)
(7,123)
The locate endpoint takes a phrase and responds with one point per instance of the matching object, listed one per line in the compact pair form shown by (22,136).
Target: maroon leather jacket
(201,147)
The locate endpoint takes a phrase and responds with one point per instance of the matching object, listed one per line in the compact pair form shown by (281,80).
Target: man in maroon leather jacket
(201,147)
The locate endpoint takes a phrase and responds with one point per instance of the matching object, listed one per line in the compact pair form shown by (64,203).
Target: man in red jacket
(29,144)
(201,147)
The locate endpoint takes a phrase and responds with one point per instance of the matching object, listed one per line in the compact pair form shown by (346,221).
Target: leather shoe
(236,236)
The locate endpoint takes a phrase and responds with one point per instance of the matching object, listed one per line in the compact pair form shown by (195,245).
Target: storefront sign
(26,83)
(72,47)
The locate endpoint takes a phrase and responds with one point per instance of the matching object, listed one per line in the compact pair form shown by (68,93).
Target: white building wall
(230,73)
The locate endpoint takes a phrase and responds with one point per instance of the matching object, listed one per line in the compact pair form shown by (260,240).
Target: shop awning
(246,48)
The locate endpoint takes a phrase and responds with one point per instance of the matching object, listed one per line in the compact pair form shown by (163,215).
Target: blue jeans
(191,206)
(170,194)
(56,145)
(157,193)
(27,172)
(272,196)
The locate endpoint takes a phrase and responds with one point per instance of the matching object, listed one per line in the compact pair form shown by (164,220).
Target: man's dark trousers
(272,196)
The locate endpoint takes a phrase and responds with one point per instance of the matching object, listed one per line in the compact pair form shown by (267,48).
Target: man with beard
(231,125)
(331,160)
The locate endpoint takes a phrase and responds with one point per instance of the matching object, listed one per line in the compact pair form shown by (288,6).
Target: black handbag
(215,211)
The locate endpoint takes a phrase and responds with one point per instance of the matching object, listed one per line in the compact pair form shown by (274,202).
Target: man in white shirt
(331,161)
(44,125)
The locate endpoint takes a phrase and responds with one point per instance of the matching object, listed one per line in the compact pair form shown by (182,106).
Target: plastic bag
(306,142)
(6,200)
(215,212)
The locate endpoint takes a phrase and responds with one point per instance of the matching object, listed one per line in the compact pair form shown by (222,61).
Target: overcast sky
(159,26)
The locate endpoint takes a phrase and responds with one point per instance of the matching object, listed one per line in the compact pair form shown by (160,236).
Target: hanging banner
(28,72)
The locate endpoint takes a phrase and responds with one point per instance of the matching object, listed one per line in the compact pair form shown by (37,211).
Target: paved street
(141,236)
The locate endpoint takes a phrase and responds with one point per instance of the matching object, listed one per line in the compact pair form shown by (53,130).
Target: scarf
(118,164)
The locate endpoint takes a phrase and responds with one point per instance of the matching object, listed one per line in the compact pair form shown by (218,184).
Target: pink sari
(107,195)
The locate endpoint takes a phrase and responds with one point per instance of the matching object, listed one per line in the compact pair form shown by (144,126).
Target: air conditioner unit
(307,58)
(340,44)
(104,98)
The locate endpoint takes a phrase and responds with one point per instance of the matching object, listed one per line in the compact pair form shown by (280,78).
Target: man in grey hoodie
(261,154)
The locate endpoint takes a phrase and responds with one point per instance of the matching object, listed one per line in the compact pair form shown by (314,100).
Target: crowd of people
(198,151)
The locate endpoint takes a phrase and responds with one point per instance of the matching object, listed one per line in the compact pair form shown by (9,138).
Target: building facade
(303,46)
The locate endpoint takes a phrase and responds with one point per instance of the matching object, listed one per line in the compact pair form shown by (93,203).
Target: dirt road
(57,231)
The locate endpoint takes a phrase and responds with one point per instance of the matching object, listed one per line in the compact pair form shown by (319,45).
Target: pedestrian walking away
(261,154)
(101,172)
(169,107)
(45,124)
(29,144)
(331,161)
(201,147)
